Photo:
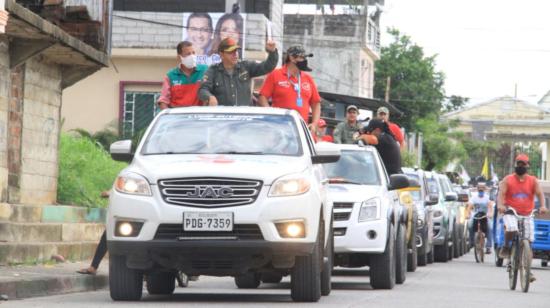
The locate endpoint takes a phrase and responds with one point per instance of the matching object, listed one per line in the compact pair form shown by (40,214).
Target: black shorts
(482,222)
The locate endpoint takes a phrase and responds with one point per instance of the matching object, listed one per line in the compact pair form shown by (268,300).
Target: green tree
(416,85)
(440,146)
(454,102)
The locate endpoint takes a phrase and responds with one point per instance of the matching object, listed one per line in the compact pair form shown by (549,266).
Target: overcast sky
(484,47)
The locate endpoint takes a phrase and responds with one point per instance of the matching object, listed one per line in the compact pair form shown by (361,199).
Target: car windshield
(432,186)
(204,133)
(415,195)
(356,167)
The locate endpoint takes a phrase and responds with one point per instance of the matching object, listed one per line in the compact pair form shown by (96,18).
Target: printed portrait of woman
(229,25)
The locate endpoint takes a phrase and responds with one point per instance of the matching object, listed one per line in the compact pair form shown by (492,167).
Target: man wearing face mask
(290,87)
(518,191)
(481,205)
(181,84)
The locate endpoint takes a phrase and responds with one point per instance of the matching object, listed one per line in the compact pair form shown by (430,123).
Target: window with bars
(139,110)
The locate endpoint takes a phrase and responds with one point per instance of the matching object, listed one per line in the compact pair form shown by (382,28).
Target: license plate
(201,221)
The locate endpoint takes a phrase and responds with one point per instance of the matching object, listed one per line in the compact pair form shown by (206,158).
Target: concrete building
(38,60)
(507,119)
(345,49)
(145,34)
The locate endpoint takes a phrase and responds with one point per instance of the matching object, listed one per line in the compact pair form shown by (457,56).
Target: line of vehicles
(245,192)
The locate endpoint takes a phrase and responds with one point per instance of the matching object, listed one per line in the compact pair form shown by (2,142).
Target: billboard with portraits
(207,30)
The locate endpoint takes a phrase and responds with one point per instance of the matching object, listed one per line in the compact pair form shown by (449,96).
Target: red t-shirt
(281,90)
(520,194)
(396,132)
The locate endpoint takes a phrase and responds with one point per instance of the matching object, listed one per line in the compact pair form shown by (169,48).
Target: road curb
(42,286)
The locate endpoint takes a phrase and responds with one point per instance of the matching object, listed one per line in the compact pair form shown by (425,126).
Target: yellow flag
(485,169)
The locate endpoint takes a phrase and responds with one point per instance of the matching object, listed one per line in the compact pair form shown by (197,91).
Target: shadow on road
(219,297)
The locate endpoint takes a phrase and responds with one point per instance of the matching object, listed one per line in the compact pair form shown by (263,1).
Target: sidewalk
(41,280)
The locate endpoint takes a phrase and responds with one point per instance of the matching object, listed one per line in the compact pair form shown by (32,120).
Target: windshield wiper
(242,153)
(343,181)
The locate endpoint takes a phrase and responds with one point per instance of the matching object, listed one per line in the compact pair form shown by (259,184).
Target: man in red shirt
(291,87)
(384,114)
(518,191)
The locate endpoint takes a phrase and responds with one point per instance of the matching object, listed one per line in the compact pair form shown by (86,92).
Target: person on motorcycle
(518,191)
(481,205)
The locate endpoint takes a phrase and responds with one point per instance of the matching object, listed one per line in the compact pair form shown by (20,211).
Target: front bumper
(207,257)
(356,238)
(440,231)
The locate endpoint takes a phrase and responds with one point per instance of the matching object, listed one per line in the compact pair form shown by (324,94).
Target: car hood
(266,168)
(353,193)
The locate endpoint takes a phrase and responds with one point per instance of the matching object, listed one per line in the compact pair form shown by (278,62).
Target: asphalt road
(460,283)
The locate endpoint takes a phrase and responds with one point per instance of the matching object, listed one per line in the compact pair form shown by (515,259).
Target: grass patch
(85,170)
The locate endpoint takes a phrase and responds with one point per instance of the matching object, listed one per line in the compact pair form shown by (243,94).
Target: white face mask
(189,62)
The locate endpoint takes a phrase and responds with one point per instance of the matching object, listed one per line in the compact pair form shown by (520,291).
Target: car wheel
(544,263)
(412,256)
(328,263)
(272,277)
(160,283)
(125,284)
(305,279)
(441,252)
(431,255)
(400,254)
(247,281)
(456,242)
(382,266)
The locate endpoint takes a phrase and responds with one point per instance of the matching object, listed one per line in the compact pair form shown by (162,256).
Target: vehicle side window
(310,142)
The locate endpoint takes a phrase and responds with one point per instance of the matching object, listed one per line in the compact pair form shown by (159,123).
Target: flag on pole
(485,169)
(464,175)
(494,176)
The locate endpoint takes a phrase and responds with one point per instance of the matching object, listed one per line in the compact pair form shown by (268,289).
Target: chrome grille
(341,216)
(343,205)
(209,192)
(240,232)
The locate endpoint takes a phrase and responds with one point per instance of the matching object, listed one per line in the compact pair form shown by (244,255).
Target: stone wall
(4,94)
(40,134)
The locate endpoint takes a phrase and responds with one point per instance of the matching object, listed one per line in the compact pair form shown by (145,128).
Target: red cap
(321,123)
(523,157)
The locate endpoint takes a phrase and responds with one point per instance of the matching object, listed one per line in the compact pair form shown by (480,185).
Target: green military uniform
(234,89)
(343,133)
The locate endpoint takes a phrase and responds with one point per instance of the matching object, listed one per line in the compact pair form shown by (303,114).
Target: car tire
(431,255)
(247,281)
(441,252)
(401,254)
(305,279)
(326,274)
(456,243)
(161,283)
(412,256)
(272,277)
(382,266)
(125,284)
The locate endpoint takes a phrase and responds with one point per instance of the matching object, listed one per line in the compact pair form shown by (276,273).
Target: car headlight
(370,210)
(290,185)
(438,213)
(133,184)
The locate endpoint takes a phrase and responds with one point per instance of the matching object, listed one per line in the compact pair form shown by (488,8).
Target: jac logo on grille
(209,192)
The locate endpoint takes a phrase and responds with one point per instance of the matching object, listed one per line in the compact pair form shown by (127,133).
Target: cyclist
(518,191)
(481,205)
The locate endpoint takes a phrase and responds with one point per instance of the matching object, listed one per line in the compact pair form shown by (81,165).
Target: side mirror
(463,197)
(432,199)
(325,153)
(398,181)
(122,151)
(451,196)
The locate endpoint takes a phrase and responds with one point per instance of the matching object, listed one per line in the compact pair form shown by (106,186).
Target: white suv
(221,191)
(367,228)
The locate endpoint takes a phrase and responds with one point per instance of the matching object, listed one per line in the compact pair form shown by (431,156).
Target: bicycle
(521,254)
(479,238)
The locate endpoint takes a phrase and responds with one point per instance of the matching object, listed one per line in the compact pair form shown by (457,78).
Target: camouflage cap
(298,51)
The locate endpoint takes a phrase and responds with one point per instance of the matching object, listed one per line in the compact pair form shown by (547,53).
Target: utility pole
(388,84)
